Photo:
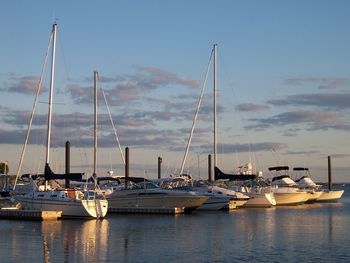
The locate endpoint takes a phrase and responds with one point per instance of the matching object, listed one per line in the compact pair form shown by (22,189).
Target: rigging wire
(33,111)
(111,120)
(196,114)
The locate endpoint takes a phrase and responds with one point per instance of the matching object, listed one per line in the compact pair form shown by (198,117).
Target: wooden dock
(148,210)
(29,214)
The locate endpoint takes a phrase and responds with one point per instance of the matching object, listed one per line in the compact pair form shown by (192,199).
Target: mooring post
(329,174)
(209,169)
(67,163)
(159,167)
(126,165)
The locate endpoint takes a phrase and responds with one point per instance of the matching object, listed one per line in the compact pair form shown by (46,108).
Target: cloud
(323,83)
(340,155)
(251,107)
(253,147)
(291,132)
(314,120)
(80,94)
(336,101)
(161,77)
(25,85)
(302,152)
(131,87)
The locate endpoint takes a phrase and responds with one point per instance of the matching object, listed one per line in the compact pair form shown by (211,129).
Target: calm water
(308,233)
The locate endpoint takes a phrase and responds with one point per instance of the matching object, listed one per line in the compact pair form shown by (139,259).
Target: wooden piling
(329,174)
(210,179)
(160,167)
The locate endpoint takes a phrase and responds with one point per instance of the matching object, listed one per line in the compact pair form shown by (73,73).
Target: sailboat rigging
(48,197)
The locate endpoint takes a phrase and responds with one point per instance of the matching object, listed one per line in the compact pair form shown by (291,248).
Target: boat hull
(215,203)
(261,200)
(330,196)
(70,208)
(154,200)
(284,198)
(313,196)
(233,204)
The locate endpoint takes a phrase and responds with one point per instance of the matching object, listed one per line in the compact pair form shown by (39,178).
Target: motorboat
(138,192)
(330,196)
(286,191)
(260,194)
(232,198)
(305,182)
(319,194)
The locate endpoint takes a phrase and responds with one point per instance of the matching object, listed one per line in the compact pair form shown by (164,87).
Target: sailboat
(50,196)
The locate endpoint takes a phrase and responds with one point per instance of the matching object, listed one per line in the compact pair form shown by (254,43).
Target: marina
(175,131)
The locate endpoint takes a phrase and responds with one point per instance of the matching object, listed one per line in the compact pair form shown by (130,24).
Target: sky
(283,84)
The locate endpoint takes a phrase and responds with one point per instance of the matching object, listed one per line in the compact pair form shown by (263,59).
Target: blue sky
(283,82)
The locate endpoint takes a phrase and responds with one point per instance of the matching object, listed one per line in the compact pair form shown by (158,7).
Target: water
(308,233)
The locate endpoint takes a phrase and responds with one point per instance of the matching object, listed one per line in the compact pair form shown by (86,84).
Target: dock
(29,214)
(148,210)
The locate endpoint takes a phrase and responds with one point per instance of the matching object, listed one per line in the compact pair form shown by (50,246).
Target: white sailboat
(52,197)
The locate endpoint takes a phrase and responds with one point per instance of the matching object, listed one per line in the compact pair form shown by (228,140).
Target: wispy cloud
(302,152)
(253,147)
(322,82)
(340,155)
(131,87)
(314,120)
(251,107)
(336,101)
(24,85)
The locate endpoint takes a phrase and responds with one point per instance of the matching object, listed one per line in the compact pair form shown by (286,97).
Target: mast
(49,115)
(95,122)
(215,113)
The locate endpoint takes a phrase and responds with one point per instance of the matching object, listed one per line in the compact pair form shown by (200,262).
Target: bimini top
(280,177)
(300,169)
(278,168)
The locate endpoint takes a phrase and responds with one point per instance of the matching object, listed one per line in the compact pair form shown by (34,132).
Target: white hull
(261,200)
(313,196)
(329,196)
(215,203)
(70,207)
(290,198)
(154,199)
(236,204)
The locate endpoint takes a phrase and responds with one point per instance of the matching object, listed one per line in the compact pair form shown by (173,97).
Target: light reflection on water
(309,233)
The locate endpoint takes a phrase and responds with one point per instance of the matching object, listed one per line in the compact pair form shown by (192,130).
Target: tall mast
(215,121)
(49,117)
(95,121)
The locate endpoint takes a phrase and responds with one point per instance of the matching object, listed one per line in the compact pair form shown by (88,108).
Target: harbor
(174,131)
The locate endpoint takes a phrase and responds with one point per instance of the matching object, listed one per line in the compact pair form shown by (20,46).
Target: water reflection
(317,231)
(74,240)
